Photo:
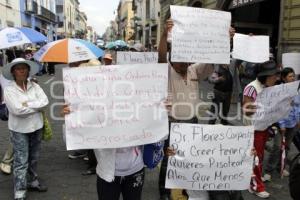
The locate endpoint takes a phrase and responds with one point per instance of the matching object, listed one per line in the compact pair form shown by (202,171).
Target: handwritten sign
(136,57)
(210,157)
(273,104)
(200,35)
(253,49)
(115,106)
(291,60)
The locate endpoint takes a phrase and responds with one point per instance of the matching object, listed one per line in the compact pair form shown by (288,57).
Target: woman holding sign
(267,75)
(288,129)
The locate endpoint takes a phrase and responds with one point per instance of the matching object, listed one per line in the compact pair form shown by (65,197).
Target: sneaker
(266,177)
(86,158)
(89,172)
(263,194)
(285,173)
(39,188)
(76,155)
(5,168)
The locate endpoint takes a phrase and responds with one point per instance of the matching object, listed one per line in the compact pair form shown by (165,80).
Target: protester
(266,77)
(78,153)
(25,101)
(288,128)
(91,158)
(223,81)
(183,79)
(119,171)
(5,165)
(107,59)
(294,180)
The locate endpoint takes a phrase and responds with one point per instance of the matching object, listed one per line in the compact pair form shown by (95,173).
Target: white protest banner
(200,35)
(136,57)
(255,49)
(273,104)
(115,106)
(291,60)
(210,157)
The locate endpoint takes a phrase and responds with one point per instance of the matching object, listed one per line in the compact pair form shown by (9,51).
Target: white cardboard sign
(255,49)
(273,104)
(115,106)
(200,35)
(210,157)
(136,57)
(292,60)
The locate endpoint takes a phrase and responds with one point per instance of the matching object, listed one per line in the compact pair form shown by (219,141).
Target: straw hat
(33,67)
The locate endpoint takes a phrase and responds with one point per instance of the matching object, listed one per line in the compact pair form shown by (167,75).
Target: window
(8,3)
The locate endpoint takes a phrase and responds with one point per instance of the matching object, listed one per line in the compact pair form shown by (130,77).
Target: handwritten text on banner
(115,106)
(210,157)
(136,57)
(273,104)
(200,35)
(253,49)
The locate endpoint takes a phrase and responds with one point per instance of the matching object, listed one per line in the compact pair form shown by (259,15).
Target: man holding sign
(184,77)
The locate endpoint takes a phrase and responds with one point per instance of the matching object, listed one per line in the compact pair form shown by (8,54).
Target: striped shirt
(250,91)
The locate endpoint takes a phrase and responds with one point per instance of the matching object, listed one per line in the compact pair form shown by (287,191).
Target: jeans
(129,186)
(274,160)
(26,147)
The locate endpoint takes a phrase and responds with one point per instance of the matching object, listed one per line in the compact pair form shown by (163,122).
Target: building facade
(10,13)
(40,15)
(124,21)
(147,22)
(66,11)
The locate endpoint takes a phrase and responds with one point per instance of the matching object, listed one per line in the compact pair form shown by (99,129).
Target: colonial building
(124,21)
(66,11)
(39,15)
(10,13)
(147,22)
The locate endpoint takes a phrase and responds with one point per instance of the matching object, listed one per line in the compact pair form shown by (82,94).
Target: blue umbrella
(11,37)
(120,43)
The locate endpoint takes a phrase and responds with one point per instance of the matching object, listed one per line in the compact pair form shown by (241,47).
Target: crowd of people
(120,171)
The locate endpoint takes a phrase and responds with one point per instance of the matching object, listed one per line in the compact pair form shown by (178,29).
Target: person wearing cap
(25,101)
(107,59)
(267,75)
(288,129)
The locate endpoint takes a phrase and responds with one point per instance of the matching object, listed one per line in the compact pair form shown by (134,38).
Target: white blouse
(22,118)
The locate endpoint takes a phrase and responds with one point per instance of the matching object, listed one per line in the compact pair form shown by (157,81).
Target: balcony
(44,13)
(31,7)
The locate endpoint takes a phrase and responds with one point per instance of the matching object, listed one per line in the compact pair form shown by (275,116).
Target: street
(63,176)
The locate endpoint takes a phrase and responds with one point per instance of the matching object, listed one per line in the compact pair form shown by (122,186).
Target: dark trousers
(163,169)
(220,107)
(129,186)
(51,68)
(225,195)
(92,163)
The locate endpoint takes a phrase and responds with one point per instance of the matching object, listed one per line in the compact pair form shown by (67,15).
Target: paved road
(63,176)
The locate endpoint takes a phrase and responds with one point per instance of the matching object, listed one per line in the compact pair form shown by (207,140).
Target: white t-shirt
(128,161)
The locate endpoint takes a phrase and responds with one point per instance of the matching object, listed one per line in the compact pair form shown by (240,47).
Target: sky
(99,13)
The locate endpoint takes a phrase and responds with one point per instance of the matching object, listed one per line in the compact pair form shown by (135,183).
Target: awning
(241,3)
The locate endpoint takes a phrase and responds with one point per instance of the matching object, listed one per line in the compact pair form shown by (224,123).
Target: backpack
(294,179)
(153,154)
